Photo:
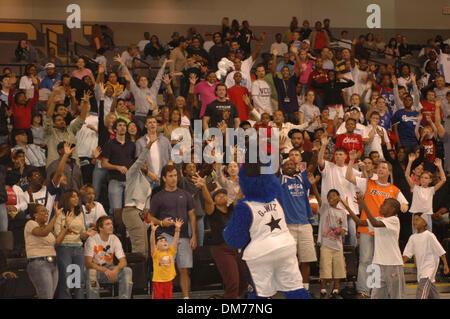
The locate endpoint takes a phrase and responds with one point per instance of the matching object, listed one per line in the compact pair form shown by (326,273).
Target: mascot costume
(258,227)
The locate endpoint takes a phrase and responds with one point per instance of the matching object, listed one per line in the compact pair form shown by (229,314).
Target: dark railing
(21,67)
(56,44)
(398,61)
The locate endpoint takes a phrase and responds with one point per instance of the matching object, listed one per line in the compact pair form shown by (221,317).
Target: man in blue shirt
(298,214)
(51,78)
(404,122)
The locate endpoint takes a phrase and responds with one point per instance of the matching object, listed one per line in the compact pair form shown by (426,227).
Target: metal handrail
(56,43)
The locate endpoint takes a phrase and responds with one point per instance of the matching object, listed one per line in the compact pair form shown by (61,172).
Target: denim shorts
(183,258)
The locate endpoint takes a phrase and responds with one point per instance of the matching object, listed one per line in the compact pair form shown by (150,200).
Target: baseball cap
(307,41)
(49,65)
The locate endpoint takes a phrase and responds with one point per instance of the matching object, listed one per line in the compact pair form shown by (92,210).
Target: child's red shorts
(162,290)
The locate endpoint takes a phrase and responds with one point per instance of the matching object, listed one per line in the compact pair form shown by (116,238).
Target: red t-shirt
(429,108)
(22,114)
(236,94)
(12,196)
(429,150)
(321,41)
(350,142)
(315,75)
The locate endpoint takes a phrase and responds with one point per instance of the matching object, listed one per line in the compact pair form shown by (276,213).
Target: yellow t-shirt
(164,265)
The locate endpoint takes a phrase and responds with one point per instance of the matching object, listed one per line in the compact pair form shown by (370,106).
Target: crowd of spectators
(76,148)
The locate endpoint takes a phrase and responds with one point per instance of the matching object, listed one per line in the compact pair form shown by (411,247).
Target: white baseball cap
(49,65)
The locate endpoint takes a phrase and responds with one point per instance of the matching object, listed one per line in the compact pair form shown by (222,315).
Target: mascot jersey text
(259,228)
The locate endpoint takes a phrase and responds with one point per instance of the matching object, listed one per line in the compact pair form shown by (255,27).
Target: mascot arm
(236,233)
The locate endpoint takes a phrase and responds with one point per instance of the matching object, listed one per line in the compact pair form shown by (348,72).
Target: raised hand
(119,59)
(394,80)
(119,91)
(69,218)
(412,157)
(438,162)
(34,80)
(438,102)
(360,199)
(68,149)
(413,77)
(353,155)
(345,203)
(166,79)
(193,78)
(153,226)
(275,52)
(178,223)
(86,96)
(101,68)
(57,210)
(325,140)
(379,132)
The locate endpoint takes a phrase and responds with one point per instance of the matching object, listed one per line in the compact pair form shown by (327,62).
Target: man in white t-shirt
(374,136)
(261,92)
(279,46)
(92,210)
(444,62)
(354,114)
(333,177)
(141,44)
(244,67)
(387,263)
(99,252)
(426,250)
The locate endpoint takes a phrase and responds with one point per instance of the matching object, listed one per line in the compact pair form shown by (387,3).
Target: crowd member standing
(426,250)
(118,156)
(375,194)
(167,205)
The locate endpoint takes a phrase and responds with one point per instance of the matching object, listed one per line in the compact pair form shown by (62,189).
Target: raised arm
(355,218)
(416,129)
(178,224)
(362,203)
(411,159)
(353,155)
(438,163)
(62,163)
(133,86)
(51,103)
(201,183)
(321,161)
(437,119)
(259,46)
(157,82)
(273,70)
(152,237)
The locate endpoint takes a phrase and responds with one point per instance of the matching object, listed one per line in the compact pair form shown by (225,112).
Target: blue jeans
(124,278)
(3,218)
(44,276)
(200,230)
(366,246)
(68,255)
(429,224)
(116,192)
(99,177)
(351,236)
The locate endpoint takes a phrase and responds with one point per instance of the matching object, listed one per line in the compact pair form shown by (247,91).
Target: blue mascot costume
(259,228)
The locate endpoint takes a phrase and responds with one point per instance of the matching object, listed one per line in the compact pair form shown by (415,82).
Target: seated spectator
(24,52)
(141,44)
(404,49)
(391,50)
(154,49)
(34,155)
(360,50)
(197,52)
(82,71)
(50,78)
(37,130)
(345,42)
(217,51)
(280,47)
(208,44)
(380,44)
(100,250)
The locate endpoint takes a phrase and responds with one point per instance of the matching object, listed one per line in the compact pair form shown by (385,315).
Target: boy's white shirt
(386,249)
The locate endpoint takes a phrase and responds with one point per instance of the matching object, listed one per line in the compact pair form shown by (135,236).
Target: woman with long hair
(133,131)
(391,51)
(306,65)
(370,44)
(229,179)
(183,105)
(24,52)
(69,249)
(96,38)
(174,123)
(82,71)
(154,48)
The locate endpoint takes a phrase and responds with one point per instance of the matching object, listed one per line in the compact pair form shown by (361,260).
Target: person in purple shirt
(205,89)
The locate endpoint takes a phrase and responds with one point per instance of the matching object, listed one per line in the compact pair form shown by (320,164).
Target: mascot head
(255,185)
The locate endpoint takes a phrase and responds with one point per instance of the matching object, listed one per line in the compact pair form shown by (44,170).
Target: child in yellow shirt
(163,262)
